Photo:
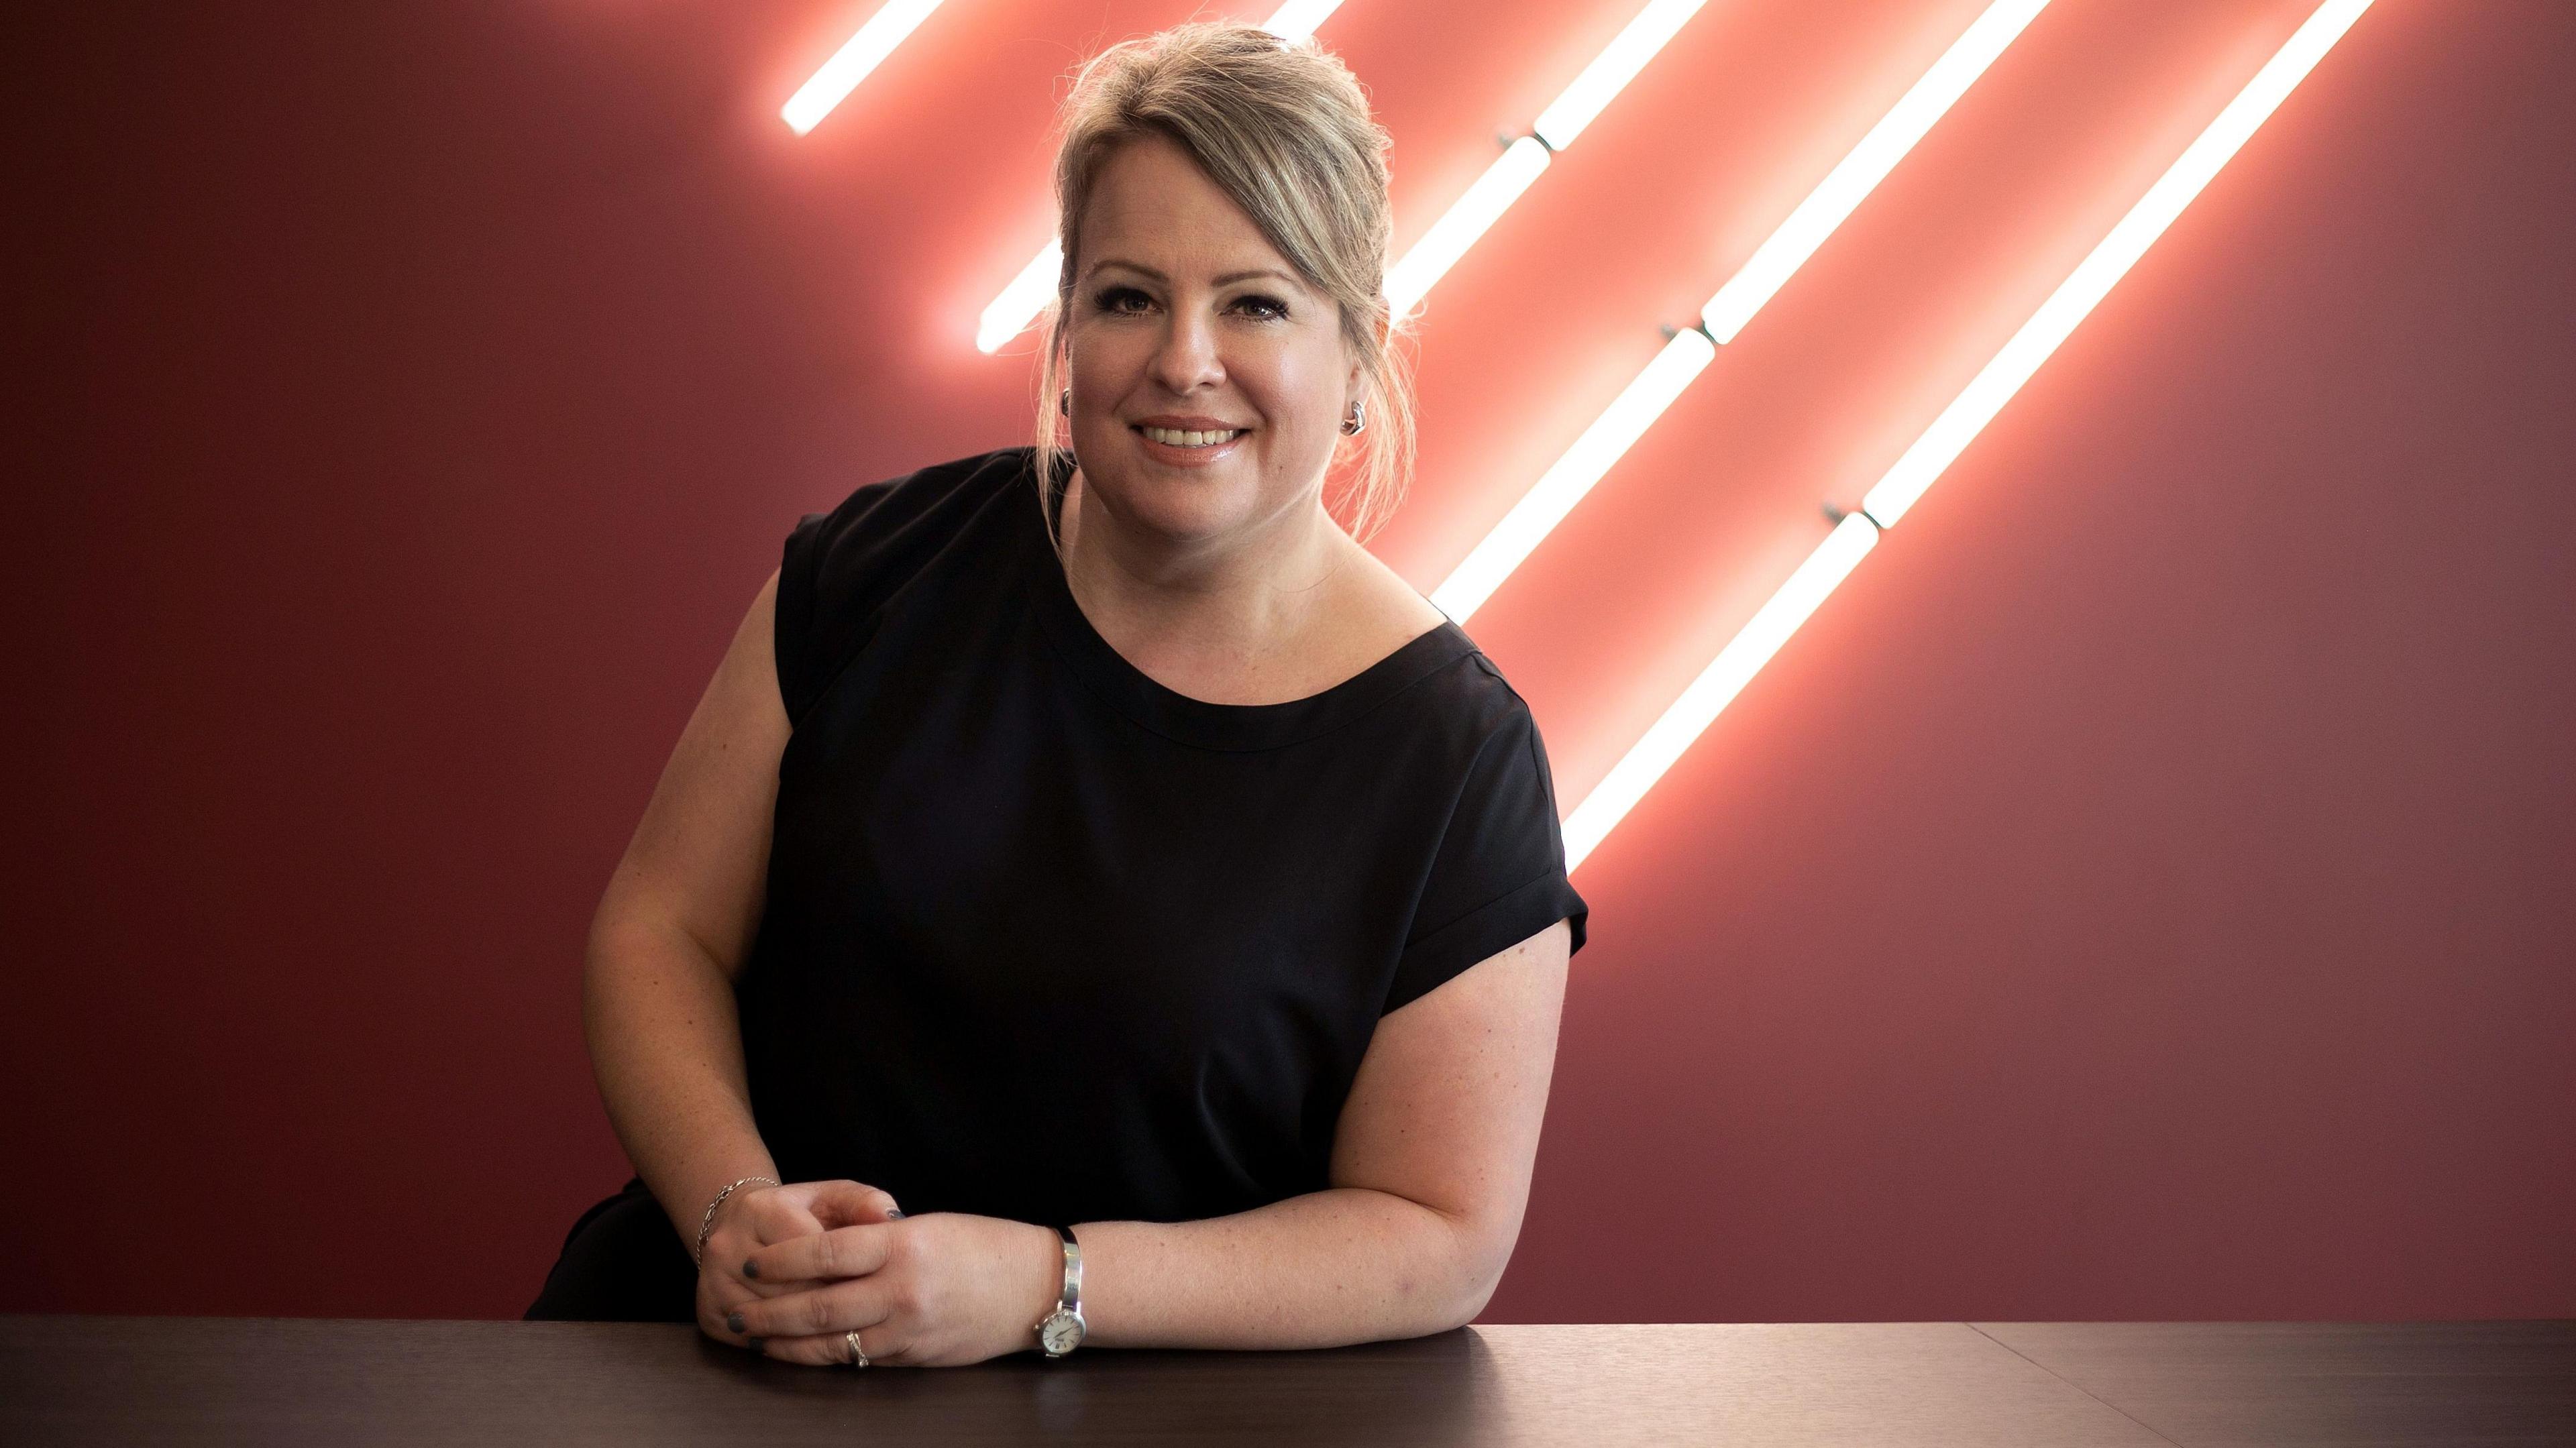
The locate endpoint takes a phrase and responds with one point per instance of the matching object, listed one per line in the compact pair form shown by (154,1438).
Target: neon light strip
(1464,221)
(1512,172)
(1300,18)
(1611,70)
(1009,314)
(1833,561)
(851,63)
(1790,244)
(1555,494)
(1843,188)
(1717,685)
(1964,418)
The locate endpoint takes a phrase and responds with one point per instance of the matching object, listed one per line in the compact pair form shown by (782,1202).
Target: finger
(832,1349)
(850,1204)
(735,1236)
(725,1254)
(840,1252)
(733,1289)
(857,1302)
(784,1215)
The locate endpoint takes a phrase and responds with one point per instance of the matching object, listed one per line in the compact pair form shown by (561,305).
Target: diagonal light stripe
(1788,247)
(2094,277)
(851,63)
(1300,18)
(1554,495)
(1464,221)
(1611,70)
(1717,685)
(1859,173)
(1009,314)
(1512,172)
(1690,715)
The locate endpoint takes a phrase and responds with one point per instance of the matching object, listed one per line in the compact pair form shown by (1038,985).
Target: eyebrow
(1227,280)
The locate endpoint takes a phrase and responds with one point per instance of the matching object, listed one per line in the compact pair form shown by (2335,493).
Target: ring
(858,1355)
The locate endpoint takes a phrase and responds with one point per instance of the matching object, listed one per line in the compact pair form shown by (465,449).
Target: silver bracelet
(710,1220)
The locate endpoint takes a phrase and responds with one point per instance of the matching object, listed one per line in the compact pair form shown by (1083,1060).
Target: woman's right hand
(756,1217)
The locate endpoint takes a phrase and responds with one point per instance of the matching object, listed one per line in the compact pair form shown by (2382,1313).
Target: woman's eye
(1116,300)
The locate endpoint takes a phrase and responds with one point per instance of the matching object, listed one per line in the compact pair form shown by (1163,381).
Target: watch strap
(1067,1313)
(1071,1298)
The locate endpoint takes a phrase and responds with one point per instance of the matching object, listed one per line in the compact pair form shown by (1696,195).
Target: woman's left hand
(938,1290)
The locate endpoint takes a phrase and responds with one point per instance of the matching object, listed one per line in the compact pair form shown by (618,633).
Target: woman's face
(1182,315)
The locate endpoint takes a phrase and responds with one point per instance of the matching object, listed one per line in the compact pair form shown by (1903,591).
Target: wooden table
(73,1380)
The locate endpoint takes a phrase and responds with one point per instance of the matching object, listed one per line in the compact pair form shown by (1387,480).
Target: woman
(1103,856)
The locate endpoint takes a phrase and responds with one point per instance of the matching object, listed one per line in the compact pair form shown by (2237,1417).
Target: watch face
(1061,1332)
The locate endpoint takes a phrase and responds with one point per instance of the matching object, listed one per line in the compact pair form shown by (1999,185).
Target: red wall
(2142,892)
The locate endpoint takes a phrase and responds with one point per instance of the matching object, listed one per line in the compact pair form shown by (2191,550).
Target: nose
(1188,356)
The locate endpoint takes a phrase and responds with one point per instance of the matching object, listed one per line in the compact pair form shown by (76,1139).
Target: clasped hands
(789,1269)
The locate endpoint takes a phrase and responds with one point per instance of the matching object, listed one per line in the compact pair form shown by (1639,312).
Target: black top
(1047,940)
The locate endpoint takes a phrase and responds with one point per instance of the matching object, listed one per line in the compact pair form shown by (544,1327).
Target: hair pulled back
(1284,129)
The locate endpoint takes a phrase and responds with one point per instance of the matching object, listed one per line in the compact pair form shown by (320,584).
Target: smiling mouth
(1177,437)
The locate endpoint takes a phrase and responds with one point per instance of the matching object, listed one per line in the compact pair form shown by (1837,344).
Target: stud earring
(1358,419)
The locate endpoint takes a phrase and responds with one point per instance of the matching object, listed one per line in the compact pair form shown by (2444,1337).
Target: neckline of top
(1148,702)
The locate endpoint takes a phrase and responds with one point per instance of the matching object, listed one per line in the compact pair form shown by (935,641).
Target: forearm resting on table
(666,1043)
(1343,1265)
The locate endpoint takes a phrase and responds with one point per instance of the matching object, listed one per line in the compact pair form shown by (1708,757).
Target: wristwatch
(1060,1331)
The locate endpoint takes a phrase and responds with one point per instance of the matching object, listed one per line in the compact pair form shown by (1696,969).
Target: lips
(1189,436)
(1197,446)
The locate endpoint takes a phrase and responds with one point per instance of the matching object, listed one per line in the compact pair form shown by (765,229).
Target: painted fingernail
(750,1268)
(733,1322)
(758,1343)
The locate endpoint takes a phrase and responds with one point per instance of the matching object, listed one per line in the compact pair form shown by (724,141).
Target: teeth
(1178,438)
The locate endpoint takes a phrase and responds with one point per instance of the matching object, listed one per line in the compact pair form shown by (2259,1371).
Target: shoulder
(1459,717)
(1384,606)
(1456,687)
(886,534)
(1476,709)
(843,569)
(919,501)
(1451,689)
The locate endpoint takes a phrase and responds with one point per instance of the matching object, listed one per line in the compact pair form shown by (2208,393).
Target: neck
(1199,605)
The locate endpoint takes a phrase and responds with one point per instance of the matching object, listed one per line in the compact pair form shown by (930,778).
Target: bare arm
(1431,1170)
(674,930)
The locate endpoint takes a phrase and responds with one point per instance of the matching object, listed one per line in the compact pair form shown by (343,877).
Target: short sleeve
(792,626)
(1498,876)
(840,570)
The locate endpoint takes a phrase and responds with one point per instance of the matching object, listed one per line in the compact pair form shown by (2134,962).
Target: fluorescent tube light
(1007,315)
(2093,278)
(1611,70)
(1848,184)
(1466,220)
(1553,496)
(1761,637)
(1299,18)
(1503,182)
(1789,246)
(851,63)
(1717,685)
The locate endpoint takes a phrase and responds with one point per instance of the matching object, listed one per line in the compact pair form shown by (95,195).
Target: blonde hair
(1284,130)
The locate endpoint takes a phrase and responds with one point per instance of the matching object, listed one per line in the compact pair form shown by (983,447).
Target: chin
(1183,504)
(1182,509)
